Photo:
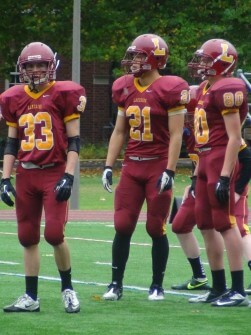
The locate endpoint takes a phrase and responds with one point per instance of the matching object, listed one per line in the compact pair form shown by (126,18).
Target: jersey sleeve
(229,95)
(120,90)
(174,92)
(8,104)
(72,98)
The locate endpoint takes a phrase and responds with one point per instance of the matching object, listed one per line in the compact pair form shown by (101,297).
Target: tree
(108,27)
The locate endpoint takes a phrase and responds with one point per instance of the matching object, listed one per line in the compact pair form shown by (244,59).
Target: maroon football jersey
(227,95)
(41,117)
(146,110)
(188,133)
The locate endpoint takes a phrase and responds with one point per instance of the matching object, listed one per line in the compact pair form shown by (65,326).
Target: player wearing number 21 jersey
(150,118)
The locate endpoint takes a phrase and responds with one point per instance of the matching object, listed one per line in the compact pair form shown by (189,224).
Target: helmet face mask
(147,52)
(215,57)
(38,76)
(41,55)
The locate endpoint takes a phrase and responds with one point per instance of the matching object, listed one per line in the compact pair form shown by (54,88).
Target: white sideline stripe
(104,241)
(132,288)
(9,263)
(103,263)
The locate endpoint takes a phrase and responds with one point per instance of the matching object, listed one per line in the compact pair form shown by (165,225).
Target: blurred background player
(184,221)
(151,112)
(221,109)
(43,133)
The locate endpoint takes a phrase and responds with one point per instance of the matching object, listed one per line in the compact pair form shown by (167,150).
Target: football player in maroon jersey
(221,109)
(42,115)
(184,221)
(151,110)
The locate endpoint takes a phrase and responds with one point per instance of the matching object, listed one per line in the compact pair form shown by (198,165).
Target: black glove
(192,187)
(107,178)
(166,180)
(222,190)
(63,187)
(5,189)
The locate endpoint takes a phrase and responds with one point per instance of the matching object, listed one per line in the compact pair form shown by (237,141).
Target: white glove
(166,180)
(107,178)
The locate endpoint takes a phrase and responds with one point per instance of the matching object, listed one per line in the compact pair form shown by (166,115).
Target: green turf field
(90,244)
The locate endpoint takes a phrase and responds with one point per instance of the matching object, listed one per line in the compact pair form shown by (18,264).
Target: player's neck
(214,79)
(38,88)
(148,78)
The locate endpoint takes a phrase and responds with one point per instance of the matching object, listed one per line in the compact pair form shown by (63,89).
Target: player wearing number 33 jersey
(42,116)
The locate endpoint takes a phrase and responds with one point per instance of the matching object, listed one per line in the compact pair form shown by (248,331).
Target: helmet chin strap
(34,87)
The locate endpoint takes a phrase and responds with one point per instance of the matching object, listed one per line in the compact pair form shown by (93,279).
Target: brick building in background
(96,122)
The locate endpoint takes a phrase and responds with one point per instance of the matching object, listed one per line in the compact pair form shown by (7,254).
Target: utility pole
(74,200)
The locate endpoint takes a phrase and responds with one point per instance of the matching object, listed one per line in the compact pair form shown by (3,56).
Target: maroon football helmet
(215,57)
(147,52)
(33,53)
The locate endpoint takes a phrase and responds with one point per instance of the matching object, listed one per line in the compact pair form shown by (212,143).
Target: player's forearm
(231,157)
(8,164)
(115,146)
(72,160)
(174,150)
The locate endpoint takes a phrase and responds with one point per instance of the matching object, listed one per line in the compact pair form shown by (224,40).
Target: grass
(90,244)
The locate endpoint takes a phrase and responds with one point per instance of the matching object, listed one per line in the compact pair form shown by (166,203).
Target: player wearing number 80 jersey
(43,133)
(220,110)
(151,112)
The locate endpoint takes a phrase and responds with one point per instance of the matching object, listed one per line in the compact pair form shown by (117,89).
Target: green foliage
(92,151)
(95,151)
(109,26)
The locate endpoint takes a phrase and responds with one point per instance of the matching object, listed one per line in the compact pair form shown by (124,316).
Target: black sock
(219,280)
(237,282)
(160,251)
(65,280)
(120,254)
(197,267)
(31,283)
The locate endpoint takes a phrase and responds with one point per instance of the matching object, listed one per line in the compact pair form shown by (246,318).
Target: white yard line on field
(129,288)
(103,241)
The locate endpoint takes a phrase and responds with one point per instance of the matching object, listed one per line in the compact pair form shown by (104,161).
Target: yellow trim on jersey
(243,144)
(227,111)
(177,110)
(194,158)
(232,220)
(34,95)
(11,124)
(121,111)
(246,228)
(140,88)
(71,117)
